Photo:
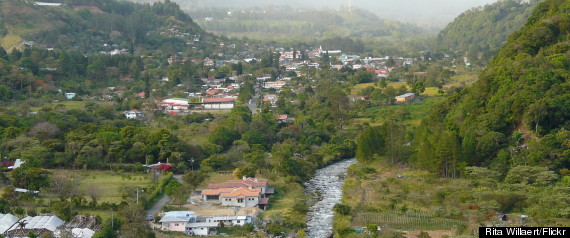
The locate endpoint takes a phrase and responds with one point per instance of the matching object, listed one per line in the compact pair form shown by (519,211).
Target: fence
(406,221)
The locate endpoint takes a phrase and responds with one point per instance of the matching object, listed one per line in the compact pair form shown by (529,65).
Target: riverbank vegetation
(495,150)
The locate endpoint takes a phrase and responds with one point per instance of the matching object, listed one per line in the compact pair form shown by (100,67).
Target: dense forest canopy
(480,32)
(89,25)
(517,113)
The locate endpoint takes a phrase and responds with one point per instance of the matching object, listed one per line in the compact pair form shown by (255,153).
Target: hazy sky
(423,12)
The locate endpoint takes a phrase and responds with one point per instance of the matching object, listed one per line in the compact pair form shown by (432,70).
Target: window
(238,221)
(240,200)
(176,224)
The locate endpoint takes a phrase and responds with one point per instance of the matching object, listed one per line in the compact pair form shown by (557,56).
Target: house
(48,4)
(17,164)
(70,96)
(200,228)
(177,220)
(40,225)
(7,221)
(274,84)
(159,167)
(175,104)
(231,220)
(133,114)
(218,103)
(241,197)
(82,232)
(23,190)
(271,98)
(235,197)
(408,97)
(251,183)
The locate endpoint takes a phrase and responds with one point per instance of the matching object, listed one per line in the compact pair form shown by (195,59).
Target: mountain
(480,32)
(433,13)
(283,23)
(90,24)
(518,113)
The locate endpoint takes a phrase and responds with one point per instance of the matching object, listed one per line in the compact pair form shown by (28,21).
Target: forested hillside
(480,32)
(287,24)
(517,113)
(89,24)
(500,146)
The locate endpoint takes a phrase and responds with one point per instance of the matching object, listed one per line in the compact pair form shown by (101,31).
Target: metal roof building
(37,225)
(7,221)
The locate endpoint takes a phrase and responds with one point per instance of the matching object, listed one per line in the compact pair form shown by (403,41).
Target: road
(252,104)
(157,207)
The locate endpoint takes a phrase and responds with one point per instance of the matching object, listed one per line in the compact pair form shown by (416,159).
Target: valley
(123,119)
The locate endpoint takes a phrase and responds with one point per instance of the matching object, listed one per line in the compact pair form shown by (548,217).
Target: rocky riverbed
(326,190)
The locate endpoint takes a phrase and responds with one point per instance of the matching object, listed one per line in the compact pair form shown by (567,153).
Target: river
(326,186)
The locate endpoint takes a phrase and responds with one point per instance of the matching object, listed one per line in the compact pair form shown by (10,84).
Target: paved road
(157,207)
(252,104)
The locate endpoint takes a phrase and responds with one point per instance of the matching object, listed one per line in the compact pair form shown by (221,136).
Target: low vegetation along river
(327,189)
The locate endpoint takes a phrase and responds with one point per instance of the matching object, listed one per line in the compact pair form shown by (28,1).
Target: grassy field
(187,133)
(357,88)
(413,112)
(80,105)
(108,183)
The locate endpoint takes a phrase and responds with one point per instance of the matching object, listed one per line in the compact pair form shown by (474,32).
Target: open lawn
(110,185)
(68,105)
(194,134)
(357,88)
(412,113)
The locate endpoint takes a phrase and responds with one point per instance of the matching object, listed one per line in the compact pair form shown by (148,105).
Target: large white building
(218,103)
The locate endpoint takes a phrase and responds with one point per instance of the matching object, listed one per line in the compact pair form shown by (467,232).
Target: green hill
(89,24)
(480,32)
(283,23)
(518,113)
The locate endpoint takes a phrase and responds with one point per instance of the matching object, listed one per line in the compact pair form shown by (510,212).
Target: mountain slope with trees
(480,32)
(518,111)
(89,25)
(282,23)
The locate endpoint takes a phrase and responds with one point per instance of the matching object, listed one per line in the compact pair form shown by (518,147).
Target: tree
(246,171)
(194,178)
(94,192)
(30,178)
(223,136)
(63,185)
(418,88)
(342,209)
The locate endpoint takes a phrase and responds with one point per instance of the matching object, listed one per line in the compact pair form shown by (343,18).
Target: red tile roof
(232,192)
(244,183)
(215,100)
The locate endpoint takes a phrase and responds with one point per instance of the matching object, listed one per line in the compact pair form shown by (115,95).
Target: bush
(342,209)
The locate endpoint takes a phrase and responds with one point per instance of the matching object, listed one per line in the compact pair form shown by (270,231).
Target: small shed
(159,167)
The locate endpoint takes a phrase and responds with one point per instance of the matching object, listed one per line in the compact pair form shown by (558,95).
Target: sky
(422,12)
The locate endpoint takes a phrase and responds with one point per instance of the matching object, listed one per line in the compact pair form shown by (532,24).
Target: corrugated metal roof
(6,221)
(82,233)
(50,223)
(202,224)
(178,216)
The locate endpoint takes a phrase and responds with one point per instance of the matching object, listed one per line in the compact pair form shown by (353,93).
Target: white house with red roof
(251,183)
(218,103)
(248,192)
(133,114)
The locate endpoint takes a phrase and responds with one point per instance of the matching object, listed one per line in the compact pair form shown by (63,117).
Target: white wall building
(177,220)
